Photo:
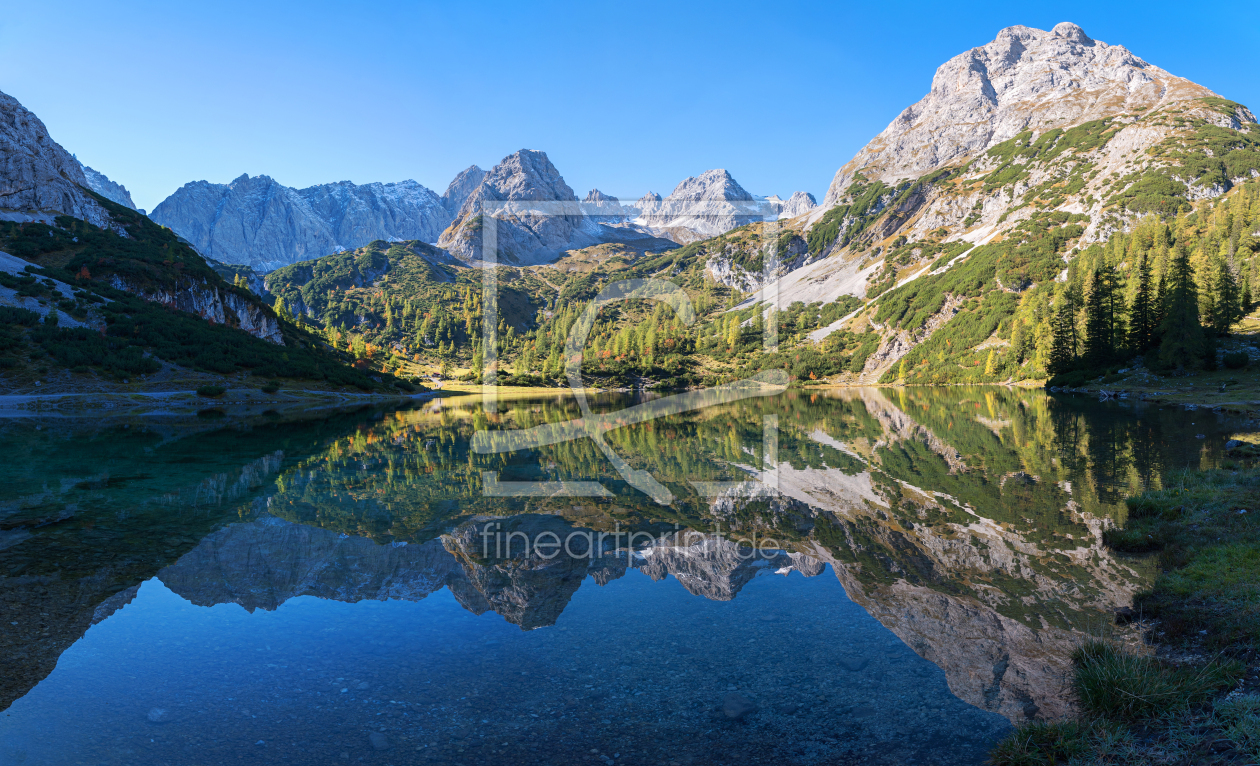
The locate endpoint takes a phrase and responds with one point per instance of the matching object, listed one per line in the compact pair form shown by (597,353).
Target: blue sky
(628,97)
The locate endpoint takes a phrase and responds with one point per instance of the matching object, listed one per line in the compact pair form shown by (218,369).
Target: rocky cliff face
(535,213)
(100,183)
(604,208)
(37,176)
(264,224)
(799,203)
(213,305)
(459,189)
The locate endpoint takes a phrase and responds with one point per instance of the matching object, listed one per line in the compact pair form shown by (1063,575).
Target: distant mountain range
(263,224)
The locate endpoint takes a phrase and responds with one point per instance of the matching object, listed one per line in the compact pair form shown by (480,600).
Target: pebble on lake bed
(159,715)
(736,706)
(379,741)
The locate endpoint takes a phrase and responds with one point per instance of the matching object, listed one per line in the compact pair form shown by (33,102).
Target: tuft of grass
(1240,718)
(1041,744)
(1121,685)
(211,391)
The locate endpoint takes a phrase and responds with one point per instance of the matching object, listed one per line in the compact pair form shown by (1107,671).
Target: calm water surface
(339,589)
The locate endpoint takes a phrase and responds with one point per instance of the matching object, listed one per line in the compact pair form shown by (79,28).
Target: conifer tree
(1227,303)
(1063,339)
(1019,342)
(1182,343)
(1141,316)
(1157,313)
(990,366)
(1247,305)
(1102,318)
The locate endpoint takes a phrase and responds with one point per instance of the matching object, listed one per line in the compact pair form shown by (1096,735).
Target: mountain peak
(1025,78)
(714,184)
(524,234)
(100,183)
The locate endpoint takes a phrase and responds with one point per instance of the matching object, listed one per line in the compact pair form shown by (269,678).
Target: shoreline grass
(1200,701)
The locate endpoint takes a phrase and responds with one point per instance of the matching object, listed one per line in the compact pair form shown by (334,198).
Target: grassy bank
(1196,700)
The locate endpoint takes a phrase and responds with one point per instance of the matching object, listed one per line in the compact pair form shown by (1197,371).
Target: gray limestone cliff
(1025,78)
(264,224)
(37,176)
(458,190)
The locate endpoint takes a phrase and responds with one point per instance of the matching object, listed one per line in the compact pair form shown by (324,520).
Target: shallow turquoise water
(193,593)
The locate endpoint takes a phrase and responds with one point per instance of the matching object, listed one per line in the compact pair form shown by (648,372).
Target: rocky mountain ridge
(261,223)
(100,183)
(537,216)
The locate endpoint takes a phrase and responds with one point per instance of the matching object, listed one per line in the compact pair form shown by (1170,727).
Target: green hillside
(128,336)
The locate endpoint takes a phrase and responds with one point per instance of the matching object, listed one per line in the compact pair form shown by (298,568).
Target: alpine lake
(866,576)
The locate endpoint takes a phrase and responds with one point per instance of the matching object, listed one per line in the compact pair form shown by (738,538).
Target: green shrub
(1237,360)
(271,387)
(80,347)
(211,391)
(1071,379)
(1132,539)
(23,317)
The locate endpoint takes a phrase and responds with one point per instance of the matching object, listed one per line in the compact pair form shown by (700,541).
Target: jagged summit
(528,232)
(701,206)
(799,203)
(1025,78)
(710,185)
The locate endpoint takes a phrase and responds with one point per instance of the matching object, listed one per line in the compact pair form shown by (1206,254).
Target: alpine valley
(507,472)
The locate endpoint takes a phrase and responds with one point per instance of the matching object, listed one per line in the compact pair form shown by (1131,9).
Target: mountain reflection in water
(965,521)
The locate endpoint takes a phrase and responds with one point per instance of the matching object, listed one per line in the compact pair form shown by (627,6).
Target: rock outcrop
(213,305)
(37,176)
(535,213)
(604,208)
(264,224)
(100,183)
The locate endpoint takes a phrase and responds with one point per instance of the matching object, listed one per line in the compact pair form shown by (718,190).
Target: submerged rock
(736,706)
